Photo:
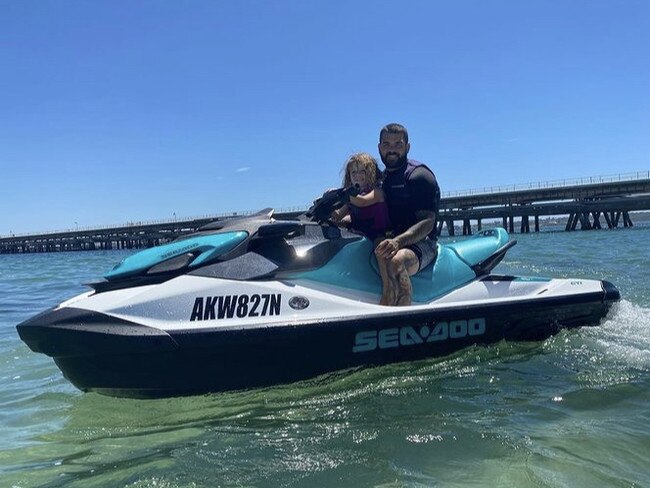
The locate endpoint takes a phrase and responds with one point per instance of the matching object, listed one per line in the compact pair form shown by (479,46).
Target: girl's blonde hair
(368,163)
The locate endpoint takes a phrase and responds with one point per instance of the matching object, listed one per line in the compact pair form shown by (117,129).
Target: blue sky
(122,111)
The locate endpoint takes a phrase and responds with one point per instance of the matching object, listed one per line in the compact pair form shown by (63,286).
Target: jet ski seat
(456,263)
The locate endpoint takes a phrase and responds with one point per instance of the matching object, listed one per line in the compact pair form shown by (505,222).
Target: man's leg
(388,287)
(399,270)
(397,286)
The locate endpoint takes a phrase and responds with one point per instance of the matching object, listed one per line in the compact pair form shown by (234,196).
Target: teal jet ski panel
(355,266)
(478,248)
(203,249)
(349,268)
(448,272)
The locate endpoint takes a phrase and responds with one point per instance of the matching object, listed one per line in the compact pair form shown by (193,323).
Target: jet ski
(255,301)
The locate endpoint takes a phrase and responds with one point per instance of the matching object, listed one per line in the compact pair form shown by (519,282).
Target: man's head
(393,146)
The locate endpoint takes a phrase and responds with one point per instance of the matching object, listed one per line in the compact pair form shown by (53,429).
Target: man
(413,198)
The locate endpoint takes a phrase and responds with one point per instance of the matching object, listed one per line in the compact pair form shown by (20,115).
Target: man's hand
(387,248)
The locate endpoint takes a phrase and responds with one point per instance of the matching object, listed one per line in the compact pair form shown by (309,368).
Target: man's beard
(398,163)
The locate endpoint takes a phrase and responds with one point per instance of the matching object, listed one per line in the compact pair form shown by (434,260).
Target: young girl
(366,213)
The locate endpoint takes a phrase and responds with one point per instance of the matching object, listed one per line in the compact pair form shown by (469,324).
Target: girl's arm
(375,195)
(339,214)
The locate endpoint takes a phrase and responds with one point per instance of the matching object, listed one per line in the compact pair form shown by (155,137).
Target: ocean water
(573,411)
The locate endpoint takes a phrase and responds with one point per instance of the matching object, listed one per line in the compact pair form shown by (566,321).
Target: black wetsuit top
(407,190)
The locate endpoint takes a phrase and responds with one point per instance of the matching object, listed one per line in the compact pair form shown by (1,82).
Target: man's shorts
(426,250)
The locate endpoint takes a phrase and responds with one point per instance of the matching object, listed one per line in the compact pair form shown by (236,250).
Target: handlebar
(331,200)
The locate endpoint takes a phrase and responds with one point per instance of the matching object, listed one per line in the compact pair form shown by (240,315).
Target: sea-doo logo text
(229,306)
(370,340)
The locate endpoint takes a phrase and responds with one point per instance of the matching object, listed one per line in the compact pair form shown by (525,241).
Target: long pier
(584,201)
(589,203)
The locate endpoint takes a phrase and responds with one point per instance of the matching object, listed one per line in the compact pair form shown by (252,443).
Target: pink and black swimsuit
(372,221)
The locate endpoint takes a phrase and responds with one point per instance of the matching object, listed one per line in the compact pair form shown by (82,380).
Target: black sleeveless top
(407,190)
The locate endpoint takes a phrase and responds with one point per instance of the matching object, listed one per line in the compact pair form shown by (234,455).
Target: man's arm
(418,231)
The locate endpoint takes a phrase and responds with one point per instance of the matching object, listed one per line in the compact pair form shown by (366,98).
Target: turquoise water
(572,411)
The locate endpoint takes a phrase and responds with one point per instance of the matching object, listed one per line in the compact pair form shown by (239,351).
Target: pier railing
(563,183)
